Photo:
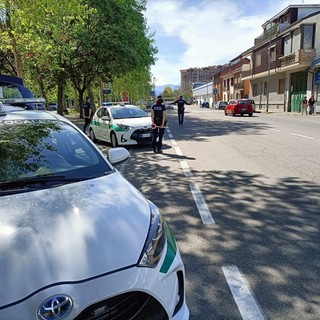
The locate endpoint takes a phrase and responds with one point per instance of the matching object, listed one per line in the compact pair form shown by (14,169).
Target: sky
(202,33)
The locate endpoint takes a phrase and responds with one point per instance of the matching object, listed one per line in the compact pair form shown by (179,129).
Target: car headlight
(156,240)
(123,126)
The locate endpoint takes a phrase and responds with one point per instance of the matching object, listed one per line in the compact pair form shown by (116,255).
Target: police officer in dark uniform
(158,117)
(181,108)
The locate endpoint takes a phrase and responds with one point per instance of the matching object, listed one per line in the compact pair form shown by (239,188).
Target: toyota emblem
(56,307)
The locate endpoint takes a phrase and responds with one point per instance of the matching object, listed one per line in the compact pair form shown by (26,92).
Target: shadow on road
(270,231)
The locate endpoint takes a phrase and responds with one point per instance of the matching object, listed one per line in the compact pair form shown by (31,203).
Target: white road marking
(174,143)
(178,151)
(240,290)
(302,136)
(185,168)
(204,212)
(275,130)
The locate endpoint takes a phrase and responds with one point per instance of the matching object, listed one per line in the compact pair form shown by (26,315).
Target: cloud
(205,32)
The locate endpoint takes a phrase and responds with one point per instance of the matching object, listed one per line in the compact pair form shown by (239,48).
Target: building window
(255,89)
(287,45)
(292,42)
(296,40)
(265,88)
(308,37)
(258,59)
(273,53)
(281,83)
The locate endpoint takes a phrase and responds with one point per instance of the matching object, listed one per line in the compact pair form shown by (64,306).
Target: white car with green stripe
(121,125)
(77,240)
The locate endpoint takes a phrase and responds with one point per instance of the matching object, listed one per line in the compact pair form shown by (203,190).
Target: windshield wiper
(27,184)
(44,180)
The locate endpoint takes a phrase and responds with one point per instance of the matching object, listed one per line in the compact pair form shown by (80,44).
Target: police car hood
(134,122)
(69,233)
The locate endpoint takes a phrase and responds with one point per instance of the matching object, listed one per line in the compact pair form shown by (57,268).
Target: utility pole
(268,83)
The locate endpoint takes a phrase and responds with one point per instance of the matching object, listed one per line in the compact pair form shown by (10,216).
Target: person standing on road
(87,111)
(158,118)
(304,106)
(311,102)
(181,108)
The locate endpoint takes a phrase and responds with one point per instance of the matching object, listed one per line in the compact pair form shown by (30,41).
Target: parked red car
(241,106)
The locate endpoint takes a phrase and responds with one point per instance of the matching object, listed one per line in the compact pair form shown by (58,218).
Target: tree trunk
(17,57)
(60,97)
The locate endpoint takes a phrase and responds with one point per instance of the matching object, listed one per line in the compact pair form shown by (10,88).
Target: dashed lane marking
(302,136)
(276,130)
(186,169)
(204,212)
(178,151)
(240,290)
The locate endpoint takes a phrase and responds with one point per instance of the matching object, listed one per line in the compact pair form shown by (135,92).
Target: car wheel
(225,113)
(250,114)
(113,139)
(233,113)
(92,135)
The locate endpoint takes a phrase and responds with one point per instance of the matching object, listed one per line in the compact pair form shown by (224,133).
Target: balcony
(302,57)
(246,73)
(267,35)
(239,85)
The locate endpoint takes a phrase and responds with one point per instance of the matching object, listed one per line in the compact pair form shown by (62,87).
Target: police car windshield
(48,149)
(127,112)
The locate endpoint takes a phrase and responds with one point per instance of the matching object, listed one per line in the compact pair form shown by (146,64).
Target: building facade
(282,68)
(203,93)
(196,75)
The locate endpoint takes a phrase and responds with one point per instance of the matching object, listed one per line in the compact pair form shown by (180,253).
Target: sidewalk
(75,118)
(315,115)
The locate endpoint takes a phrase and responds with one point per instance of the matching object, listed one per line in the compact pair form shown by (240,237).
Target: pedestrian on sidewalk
(158,118)
(311,102)
(87,112)
(181,102)
(304,106)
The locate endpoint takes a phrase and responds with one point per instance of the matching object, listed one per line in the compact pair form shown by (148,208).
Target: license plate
(145,135)
(244,109)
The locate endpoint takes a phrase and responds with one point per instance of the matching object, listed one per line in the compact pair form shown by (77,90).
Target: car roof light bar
(22,100)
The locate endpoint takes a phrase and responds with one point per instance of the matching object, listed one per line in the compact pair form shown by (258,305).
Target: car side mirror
(118,155)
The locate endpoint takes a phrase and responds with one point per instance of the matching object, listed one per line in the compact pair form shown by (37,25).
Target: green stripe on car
(171,250)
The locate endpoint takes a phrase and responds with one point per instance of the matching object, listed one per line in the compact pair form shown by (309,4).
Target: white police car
(77,240)
(121,125)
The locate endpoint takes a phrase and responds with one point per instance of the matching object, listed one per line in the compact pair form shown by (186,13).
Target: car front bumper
(137,292)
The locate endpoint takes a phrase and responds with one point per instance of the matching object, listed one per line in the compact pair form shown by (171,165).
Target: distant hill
(159,89)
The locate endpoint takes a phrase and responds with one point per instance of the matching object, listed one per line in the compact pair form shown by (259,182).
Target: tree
(113,42)
(84,41)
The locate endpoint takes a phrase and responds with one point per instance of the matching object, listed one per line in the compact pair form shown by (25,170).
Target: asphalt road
(242,197)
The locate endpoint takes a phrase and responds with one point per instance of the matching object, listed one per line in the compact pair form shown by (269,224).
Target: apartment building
(232,84)
(193,75)
(285,60)
(280,69)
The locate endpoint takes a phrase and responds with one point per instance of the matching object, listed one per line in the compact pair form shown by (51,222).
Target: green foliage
(76,41)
